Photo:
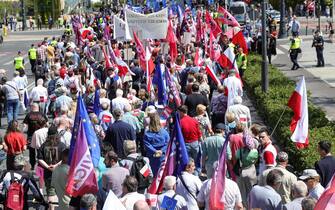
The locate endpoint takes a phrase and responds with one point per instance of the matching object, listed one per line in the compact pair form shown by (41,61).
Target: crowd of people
(134,130)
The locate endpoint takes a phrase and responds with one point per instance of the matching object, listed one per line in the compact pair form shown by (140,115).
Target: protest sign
(151,26)
(121,30)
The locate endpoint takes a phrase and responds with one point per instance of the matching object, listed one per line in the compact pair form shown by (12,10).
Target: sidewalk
(319,81)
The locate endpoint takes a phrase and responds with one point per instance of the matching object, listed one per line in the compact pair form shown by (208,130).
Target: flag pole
(281,116)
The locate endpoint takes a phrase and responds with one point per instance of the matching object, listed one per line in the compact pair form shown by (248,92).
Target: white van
(239,10)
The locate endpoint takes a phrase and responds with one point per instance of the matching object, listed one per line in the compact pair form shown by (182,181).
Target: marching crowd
(134,128)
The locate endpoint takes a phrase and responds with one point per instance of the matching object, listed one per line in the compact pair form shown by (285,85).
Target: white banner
(121,29)
(151,26)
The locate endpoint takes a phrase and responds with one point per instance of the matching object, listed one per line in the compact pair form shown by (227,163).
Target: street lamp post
(282,30)
(23,15)
(265,79)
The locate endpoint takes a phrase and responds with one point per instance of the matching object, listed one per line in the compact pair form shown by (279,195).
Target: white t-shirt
(234,86)
(39,137)
(194,184)
(232,194)
(131,198)
(39,94)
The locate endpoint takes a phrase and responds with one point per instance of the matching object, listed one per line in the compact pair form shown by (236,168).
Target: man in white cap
(234,87)
(312,180)
(241,111)
(170,194)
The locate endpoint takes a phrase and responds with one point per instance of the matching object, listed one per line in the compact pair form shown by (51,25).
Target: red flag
(211,46)
(211,73)
(172,39)
(200,34)
(212,24)
(299,123)
(198,61)
(238,39)
(140,52)
(108,63)
(82,178)
(225,17)
(327,198)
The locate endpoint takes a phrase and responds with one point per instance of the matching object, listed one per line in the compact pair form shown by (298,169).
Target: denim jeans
(12,109)
(192,149)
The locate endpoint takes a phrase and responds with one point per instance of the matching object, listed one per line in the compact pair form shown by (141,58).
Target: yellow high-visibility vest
(18,62)
(32,53)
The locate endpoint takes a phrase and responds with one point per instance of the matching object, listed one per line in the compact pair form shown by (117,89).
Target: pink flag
(218,183)
(147,72)
(327,198)
(225,17)
(215,28)
(299,123)
(211,73)
(200,34)
(140,51)
(82,178)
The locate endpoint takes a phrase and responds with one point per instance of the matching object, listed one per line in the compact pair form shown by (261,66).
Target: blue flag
(96,105)
(164,3)
(159,81)
(92,140)
(181,152)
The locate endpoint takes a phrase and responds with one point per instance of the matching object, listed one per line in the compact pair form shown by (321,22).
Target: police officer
(32,54)
(318,43)
(241,61)
(68,31)
(19,61)
(54,42)
(295,50)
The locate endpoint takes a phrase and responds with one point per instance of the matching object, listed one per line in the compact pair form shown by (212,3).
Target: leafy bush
(270,106)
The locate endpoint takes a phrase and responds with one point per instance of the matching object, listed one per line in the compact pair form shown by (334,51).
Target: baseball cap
(308,173)
(19,160)
(220,126)
(151,109)
(282,157)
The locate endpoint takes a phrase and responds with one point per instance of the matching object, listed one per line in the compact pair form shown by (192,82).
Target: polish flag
(211,73)
(299,123)
(327,198)
(147,71)
(145,171)
(123,67)
(231,58)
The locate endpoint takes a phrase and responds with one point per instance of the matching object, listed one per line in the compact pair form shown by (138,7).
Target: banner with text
(151,26)
(121,30)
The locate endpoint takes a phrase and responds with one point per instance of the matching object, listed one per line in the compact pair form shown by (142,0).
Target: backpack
(15,194)
(136,171)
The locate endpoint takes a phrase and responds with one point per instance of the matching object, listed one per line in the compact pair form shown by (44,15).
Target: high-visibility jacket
(53,43)
(295,44)
(18,62)
(242,61)
(32,53)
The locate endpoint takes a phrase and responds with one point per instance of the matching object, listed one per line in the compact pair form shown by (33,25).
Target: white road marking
(12,62)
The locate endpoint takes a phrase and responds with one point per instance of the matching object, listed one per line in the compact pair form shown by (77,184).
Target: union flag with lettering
(84,155)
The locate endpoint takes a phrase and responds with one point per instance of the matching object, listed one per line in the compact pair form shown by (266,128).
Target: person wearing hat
(170,193)
(312,180)
(288,178)
(19,61)
(211,149)
(241,112)
(295,50)
(318,43)
(49,157)
(29,184)
(234,87)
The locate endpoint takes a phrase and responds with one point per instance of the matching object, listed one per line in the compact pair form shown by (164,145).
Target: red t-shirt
(62,72)
(190,129)
(15,142)
(235,142)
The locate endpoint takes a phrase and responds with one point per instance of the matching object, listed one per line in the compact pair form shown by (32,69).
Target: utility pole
(23,15)
(282,29)
(265,78)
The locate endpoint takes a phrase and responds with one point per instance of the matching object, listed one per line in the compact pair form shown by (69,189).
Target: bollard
(306,30)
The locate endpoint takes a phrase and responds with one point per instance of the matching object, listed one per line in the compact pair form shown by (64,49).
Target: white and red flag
(327,198)
(299,123)
(147,72)
(211,73)
(231,58)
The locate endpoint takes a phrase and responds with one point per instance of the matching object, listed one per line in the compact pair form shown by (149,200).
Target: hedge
(270,106)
